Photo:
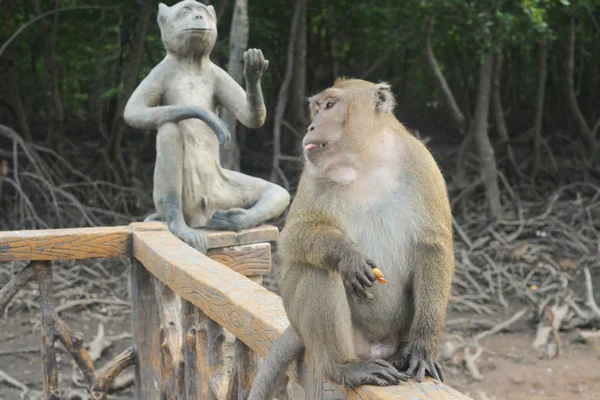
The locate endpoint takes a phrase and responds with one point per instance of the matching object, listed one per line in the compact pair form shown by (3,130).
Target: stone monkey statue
(179,98)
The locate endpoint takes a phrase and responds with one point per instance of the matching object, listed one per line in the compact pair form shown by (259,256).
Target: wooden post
(44,274)
(194,350)
(216,358)
(170,310)
(146,337)
(242,373)
(313,383)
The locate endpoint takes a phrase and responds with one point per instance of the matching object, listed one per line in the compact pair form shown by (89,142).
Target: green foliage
(376,40)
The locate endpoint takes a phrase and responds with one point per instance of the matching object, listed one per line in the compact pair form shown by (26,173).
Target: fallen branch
(501,326)
(591,302)
(13,382)
(8,291)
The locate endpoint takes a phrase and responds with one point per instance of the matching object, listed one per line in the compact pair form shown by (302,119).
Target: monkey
(179,98)
(370,196)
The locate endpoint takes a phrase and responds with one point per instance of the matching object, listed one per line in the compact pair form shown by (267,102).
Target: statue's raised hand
(254,65)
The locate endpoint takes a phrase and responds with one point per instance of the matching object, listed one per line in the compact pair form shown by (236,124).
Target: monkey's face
(188,27)
(329,111)
(348,121)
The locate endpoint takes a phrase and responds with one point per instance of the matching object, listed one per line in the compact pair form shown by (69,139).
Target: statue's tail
(152,217)
(154,117)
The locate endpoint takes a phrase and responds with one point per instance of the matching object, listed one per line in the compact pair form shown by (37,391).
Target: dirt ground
(513,373)
(575,374)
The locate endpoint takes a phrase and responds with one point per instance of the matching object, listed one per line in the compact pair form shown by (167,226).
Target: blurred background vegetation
(490,84)
(504,92)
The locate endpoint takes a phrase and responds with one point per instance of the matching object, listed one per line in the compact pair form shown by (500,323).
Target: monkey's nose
(311,128)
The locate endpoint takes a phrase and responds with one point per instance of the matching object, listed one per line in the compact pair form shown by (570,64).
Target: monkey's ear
(311,105)
(212,11)
(384,98)
(163,13)
(339,80)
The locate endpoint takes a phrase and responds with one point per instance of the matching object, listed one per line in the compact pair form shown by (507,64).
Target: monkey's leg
(322,315)
(432,284)
(168,184)
(249,201)
(285,350)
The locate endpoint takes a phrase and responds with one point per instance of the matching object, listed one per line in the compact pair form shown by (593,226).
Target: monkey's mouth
(197,30)
(315,145)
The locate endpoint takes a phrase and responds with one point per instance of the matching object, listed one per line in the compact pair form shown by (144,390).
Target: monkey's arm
(144,112)
(247,107)
(433,269)
(317,243)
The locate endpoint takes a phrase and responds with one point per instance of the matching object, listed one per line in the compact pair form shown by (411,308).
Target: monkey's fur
(370,195)
(179,97)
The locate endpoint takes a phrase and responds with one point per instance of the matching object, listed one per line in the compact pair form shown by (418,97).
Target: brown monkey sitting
(179,97)
(370,195)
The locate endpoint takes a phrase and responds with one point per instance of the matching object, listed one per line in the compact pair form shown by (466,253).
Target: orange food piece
(379,275)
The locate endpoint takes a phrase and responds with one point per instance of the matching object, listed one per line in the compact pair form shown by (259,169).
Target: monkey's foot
(233,219)
(415,361)
(376,372)
(197,239)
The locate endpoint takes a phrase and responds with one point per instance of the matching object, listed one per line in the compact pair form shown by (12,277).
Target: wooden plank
(64,244)
(216,354)
(195,334)
(44,275)
(259,234)
(146,334)
(248,260)
(313,384)
(244,369)
(250,312)
(107,242)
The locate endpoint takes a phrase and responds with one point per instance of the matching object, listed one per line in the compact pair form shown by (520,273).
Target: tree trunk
(333,40)
(499,113)
(584,129)
(458,116)
(238,43)
(283,97)
(482,139)
(54,103)
(298,105)
(539,104)
(129,81)
(13,78)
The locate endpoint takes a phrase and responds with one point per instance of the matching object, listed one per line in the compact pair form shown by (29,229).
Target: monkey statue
(370,195)
(179,98)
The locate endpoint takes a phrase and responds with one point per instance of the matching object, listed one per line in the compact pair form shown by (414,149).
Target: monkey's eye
(185,10)
(329,104)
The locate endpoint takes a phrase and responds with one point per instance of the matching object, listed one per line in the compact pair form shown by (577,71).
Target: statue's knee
(283,197)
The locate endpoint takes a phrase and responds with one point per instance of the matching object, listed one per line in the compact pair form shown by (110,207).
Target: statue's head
(188,27)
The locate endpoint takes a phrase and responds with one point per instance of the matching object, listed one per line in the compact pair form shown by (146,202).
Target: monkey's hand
(254,66)
(233,219)
(416,360)
(357,274)
(196,239)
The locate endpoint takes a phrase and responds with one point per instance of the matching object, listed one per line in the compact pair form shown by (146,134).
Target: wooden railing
(181,301)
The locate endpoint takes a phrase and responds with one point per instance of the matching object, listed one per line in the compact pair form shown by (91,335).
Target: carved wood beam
(112,242)
(250,312)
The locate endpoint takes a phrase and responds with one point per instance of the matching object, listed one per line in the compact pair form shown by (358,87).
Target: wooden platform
(190,297)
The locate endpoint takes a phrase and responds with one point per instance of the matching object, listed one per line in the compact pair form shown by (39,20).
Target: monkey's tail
(285,350)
